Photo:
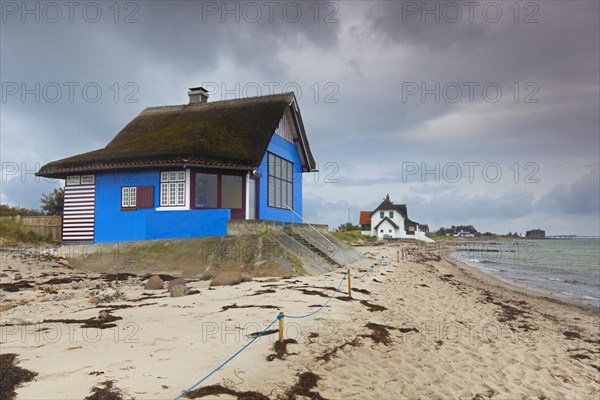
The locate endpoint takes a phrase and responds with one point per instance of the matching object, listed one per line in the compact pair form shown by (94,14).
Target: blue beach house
(183,171)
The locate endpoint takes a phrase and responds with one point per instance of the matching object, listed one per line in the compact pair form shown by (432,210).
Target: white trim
(247,191)
(186,200)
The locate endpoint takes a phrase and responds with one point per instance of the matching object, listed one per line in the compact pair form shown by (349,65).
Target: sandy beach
(422,327)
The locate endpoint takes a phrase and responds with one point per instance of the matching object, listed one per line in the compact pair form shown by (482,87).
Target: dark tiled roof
(230,133)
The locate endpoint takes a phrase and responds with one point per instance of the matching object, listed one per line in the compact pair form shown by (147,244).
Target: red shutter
(145,197)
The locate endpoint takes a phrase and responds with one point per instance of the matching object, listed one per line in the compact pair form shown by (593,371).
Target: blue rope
(229,359)
(368,271)
(264,330)
(324,305)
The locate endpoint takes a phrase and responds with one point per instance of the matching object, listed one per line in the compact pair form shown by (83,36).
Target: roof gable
(233,133)
(388,220)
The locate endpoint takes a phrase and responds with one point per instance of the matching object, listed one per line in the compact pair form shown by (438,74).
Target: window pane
(271,164)
(271,191)
(164,176)
(125,197)
(206,190)
(172,188)
(290,172)
(290,200)
(164,194)
(231,191)
(181,194)
(252,199)
(132,197)
(181,176)
(277,193)
(172,176)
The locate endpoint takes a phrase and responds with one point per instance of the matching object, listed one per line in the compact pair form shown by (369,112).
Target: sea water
(564,268)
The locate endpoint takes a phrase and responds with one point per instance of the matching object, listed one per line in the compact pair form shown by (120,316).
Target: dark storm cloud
(580,197)
(369,51)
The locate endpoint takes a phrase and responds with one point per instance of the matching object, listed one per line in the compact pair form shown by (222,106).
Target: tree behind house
(52,204)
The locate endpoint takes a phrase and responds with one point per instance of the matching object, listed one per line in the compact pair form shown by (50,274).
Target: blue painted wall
(287,151)
(114,225)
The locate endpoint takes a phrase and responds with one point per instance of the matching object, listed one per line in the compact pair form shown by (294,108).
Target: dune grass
(13,232)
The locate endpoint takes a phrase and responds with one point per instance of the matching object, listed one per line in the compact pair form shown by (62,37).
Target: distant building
(535,234)
(365,221)
(464,234)
(390,221)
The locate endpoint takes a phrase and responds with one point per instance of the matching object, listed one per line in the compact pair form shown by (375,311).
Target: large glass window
(207,190)
(281,182)
(231,191)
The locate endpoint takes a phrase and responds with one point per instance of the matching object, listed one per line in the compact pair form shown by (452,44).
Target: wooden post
(280,327)
(349,285)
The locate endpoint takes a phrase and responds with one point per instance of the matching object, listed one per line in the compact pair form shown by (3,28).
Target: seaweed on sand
(12,376)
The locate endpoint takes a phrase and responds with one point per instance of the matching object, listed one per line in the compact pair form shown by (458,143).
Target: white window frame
(73,180)
(87,179)
(128,197)
(174,192)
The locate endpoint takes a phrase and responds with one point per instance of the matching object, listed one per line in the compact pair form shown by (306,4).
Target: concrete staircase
(319,246)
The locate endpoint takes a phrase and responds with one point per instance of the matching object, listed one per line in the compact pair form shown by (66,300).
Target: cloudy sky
(483,113)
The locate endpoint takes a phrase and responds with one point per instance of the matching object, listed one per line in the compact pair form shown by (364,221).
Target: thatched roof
(387,205)
(229,133)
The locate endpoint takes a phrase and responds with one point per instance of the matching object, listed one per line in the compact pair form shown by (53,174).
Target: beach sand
(422,327)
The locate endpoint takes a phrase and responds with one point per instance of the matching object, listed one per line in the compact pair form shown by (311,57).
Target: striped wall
(78,215)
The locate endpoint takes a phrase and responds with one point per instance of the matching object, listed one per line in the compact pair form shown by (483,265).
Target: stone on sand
(175,282)
(178,290)
(154,283)
(226,278)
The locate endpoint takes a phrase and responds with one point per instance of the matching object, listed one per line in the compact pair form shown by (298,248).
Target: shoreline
(423,327)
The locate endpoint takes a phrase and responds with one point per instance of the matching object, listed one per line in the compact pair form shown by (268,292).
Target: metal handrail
(308,223)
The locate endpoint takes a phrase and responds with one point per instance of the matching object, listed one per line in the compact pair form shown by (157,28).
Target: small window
(381,215)
(391,214)
(73,180)
(381,231)
(128,197)
(87,180)
(134,197)
(390,231)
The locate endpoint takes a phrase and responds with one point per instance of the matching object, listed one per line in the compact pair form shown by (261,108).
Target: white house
(390,221)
